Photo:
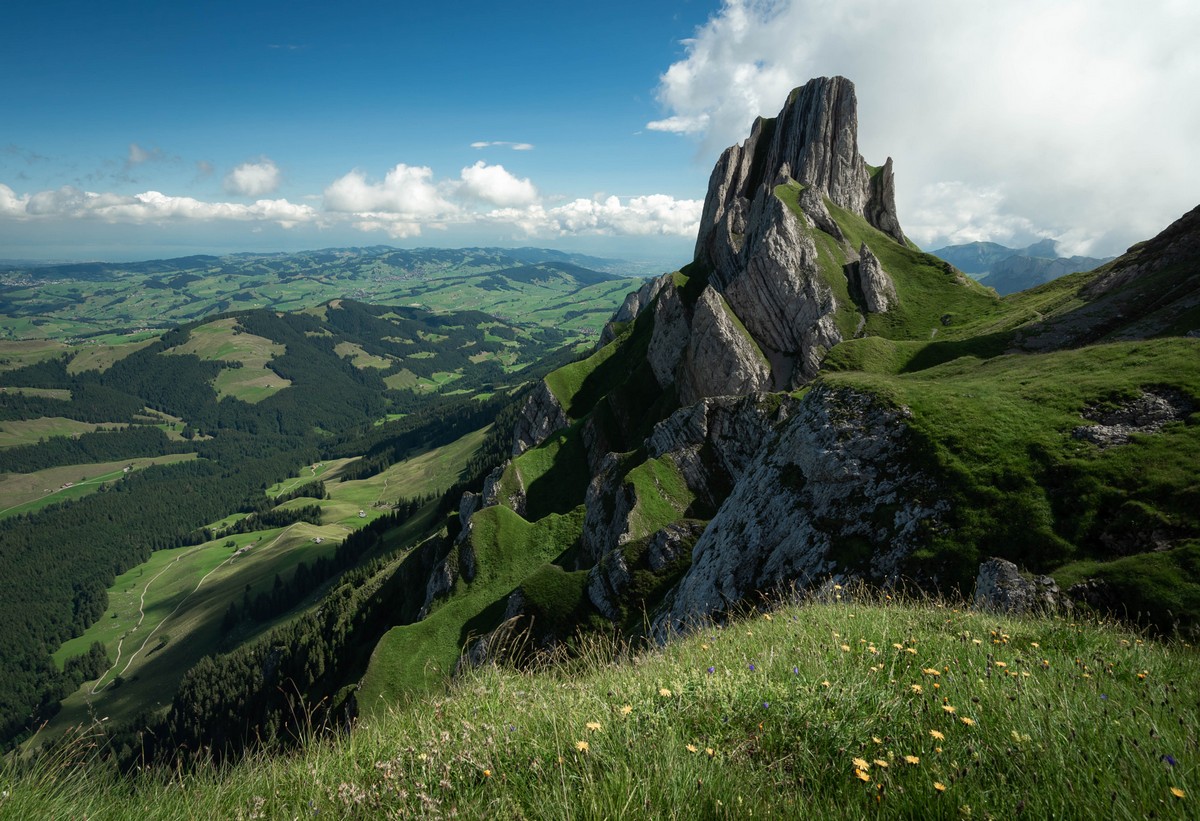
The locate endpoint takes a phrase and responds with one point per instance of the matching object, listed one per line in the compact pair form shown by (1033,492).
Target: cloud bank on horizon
(405,202)
(1072,119)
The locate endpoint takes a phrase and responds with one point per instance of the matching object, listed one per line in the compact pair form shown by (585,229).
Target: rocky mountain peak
(813,140)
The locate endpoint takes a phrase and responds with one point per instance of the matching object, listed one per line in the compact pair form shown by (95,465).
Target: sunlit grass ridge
(841,708)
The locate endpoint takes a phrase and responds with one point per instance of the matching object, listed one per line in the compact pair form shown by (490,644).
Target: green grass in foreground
(836,710)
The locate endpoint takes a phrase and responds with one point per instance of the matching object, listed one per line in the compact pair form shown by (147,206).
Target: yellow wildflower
(916,688)
(711,752)
(939,786)
(970,722)
(937,734)
(912,759)
(767,616)
(1034,644)
(594,726)
(691,748)
(949,708)
(879,762)
(1178,793)
(912,650)
(487,773)
(626,710)
(861,776)
(860,764)
(664,692)
(898,645)
(1001,663)
(932,671)
(846,649)
(582,746)
(826,683)
(877,739)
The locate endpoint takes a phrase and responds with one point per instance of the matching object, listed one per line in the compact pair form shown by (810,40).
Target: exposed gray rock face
(635,302)
(714,441)
(669,337)
(880,210)
(1146,414)
(1000,587)
(872,282)
(466,509)
(670,544)
(837,493)
(459,563)
(490,495)
(722,358)
(609,580)
(608,504)
(541,416)
(813,204)
(711,442)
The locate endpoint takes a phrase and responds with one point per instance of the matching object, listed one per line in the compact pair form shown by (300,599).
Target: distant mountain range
(1009,270)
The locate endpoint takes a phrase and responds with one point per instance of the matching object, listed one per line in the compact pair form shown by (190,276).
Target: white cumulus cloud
(502,144)
(494,184)
(1071,118)
(651,215)
(70,202)
(253,179)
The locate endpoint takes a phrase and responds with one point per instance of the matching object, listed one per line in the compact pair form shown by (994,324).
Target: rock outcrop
(1145,414)
(1001,587)
(836,493)
(871,283)
(540,417)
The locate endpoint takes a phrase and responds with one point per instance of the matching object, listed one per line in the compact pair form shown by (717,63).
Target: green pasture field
(360,358)
(30,431)
(27,492)
(181,594)
(17,353)
(98,355)
(222,340)
(325,471)
(431,472)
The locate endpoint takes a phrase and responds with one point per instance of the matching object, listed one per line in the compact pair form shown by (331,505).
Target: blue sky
(141,129)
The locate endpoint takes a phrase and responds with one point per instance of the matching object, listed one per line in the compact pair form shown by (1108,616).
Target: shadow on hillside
(985,346)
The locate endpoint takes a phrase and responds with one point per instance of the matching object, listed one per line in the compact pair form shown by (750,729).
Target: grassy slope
(1021,486)
(414,658)
(773,716)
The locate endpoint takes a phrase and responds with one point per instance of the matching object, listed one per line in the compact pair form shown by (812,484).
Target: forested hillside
(251,396)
